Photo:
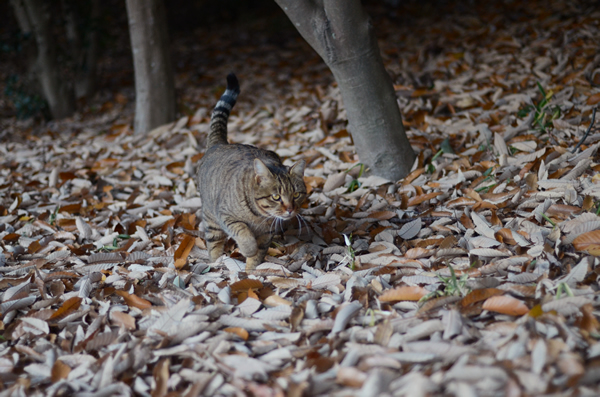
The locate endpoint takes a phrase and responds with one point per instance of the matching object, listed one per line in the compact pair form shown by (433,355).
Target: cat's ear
(298,169)
(262,171)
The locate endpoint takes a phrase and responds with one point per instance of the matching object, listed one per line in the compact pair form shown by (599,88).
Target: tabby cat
(246,191)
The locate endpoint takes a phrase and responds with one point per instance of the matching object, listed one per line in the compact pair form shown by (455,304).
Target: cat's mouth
(286,214)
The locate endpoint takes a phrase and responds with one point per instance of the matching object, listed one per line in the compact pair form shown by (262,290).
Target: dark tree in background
(154,80)
(84,45)
(34,18)
(38,20)
(341,33)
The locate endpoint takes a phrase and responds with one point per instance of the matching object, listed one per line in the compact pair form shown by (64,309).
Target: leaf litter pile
(475,275)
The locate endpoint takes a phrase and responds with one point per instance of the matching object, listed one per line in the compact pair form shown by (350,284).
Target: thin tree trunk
(28,43)
(154,81)
(56,91)
(341,33)
(84,46)
(85,85)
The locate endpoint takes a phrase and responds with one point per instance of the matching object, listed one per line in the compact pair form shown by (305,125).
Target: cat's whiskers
(300,220)
(273,223)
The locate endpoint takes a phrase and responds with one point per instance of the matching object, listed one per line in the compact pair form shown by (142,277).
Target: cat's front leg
(243,236)
(263,242)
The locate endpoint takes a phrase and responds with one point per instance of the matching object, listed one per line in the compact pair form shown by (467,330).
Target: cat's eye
(276,197)
(296,195)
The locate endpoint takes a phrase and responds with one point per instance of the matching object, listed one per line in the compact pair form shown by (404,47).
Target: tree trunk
(341,33)
(28,45)
(154,81)
(55,89)
(85,84)
(84,45)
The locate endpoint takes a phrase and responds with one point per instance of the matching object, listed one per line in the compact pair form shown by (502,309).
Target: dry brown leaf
(588,320)
(350,376)
(588,203)
(593,99)
(382,215)
(461,202)
(422,198)
(419,252)
(562,211)
(276,300)
(60,370)
(134,300)
(403,293)
(506,305)
(68,307)
(183,251)
(504,235)
(160,373)
(123,319)
(589,241)
(413,175)
(241,332)
(479,295)
(466,221)
(252,294)
(438,302)
(245,284)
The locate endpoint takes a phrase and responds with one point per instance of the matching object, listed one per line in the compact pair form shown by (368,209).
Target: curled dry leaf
(382,215)
(134,300)
(589,242)
(183,251)
(241,332)
(246,284)
(60,370)
(419,252)
(123,319)
(68,307)
(505,304)
(403,294)
(479,295)
(422,198)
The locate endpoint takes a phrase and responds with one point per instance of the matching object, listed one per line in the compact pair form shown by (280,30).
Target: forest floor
(476,275)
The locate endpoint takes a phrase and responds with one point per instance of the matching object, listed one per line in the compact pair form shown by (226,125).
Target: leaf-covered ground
(475,275)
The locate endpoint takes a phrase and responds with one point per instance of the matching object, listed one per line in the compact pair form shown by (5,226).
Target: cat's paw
(253,262)
(249,248)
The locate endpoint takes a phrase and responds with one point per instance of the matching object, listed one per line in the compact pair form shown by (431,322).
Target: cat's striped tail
(220,114)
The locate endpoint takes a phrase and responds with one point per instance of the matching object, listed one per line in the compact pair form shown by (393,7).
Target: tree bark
(56,91)
(341,33)
(84,45)
(154,81)
(28,43)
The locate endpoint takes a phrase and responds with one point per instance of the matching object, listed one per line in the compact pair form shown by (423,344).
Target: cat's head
(279,194)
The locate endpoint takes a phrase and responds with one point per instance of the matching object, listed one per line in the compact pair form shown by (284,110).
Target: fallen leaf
(403,294)
(183,251)
(506,305)
(134,300)
(68,307)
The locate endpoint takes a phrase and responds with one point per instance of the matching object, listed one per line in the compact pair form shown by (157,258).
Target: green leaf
(438,154)
(446,147)
(541,89)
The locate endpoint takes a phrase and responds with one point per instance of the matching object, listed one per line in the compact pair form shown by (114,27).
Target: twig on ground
(586,133)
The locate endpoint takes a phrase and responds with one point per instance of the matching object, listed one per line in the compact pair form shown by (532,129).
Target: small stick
(586,133)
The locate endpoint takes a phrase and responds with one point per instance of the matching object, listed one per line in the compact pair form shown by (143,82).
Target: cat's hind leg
(215,240)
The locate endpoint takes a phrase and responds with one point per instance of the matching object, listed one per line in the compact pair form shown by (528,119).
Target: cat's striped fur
(246,191)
